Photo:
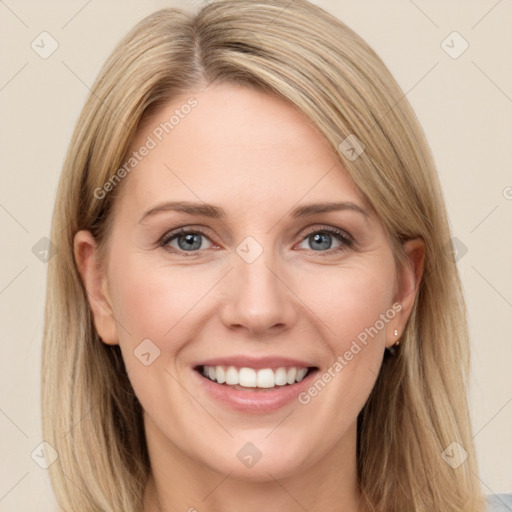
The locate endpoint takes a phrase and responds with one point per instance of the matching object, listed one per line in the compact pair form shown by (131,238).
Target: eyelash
(346,241)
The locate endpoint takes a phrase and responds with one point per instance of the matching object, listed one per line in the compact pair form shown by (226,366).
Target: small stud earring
(392,349)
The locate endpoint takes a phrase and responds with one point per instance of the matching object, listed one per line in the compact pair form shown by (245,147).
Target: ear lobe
(95,283)
(409,278)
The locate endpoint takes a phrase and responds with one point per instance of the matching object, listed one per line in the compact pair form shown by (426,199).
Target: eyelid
(329,229)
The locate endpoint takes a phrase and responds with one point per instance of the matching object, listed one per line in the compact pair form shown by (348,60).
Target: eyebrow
(216,212)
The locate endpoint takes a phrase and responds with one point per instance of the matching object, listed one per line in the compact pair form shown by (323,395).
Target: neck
(178,482)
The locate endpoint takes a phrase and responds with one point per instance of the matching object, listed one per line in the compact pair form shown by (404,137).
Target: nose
(258,300)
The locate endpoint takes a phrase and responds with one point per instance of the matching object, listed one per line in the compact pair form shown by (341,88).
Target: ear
(409,278)
(95,282)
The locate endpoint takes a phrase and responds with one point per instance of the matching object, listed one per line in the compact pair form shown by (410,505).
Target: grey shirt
(499,503)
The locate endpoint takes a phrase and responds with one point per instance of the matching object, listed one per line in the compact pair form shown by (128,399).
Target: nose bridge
(257,282)
(257,299)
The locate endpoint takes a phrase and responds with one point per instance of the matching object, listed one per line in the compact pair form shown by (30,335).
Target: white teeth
(251,378)
(266,378)
(221,374)
(301,373)
(280,377)
(232,376)
(247,377)
(290,375)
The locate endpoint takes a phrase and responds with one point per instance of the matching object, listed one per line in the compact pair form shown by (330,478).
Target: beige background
(464,105)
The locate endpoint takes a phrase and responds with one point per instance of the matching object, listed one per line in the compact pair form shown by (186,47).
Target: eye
(186,240)
(327,240)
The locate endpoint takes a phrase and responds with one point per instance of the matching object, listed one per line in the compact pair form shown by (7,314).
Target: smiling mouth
(250,379)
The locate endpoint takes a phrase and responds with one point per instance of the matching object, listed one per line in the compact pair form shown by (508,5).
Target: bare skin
(307,296)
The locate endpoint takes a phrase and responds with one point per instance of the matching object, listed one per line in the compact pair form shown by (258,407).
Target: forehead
(236,146)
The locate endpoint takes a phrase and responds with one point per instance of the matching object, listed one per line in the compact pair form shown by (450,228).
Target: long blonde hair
(301,53)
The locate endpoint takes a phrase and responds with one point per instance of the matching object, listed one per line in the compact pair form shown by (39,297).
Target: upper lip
(244,361)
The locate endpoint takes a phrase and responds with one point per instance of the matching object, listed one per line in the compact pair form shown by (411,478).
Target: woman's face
(241,249)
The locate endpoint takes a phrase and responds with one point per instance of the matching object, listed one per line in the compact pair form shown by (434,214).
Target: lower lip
(252,401)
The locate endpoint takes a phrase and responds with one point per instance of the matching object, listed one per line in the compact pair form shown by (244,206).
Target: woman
(252,307)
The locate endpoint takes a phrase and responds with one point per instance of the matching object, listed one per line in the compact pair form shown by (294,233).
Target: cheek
(164,305)
(351,301)
(350,298)
(151,301)
(355,347)
(157,307)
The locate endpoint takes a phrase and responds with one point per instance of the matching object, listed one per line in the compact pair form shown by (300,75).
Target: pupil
(323,240)
(190,241)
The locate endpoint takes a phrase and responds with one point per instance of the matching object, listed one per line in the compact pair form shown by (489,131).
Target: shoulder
(499,503)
